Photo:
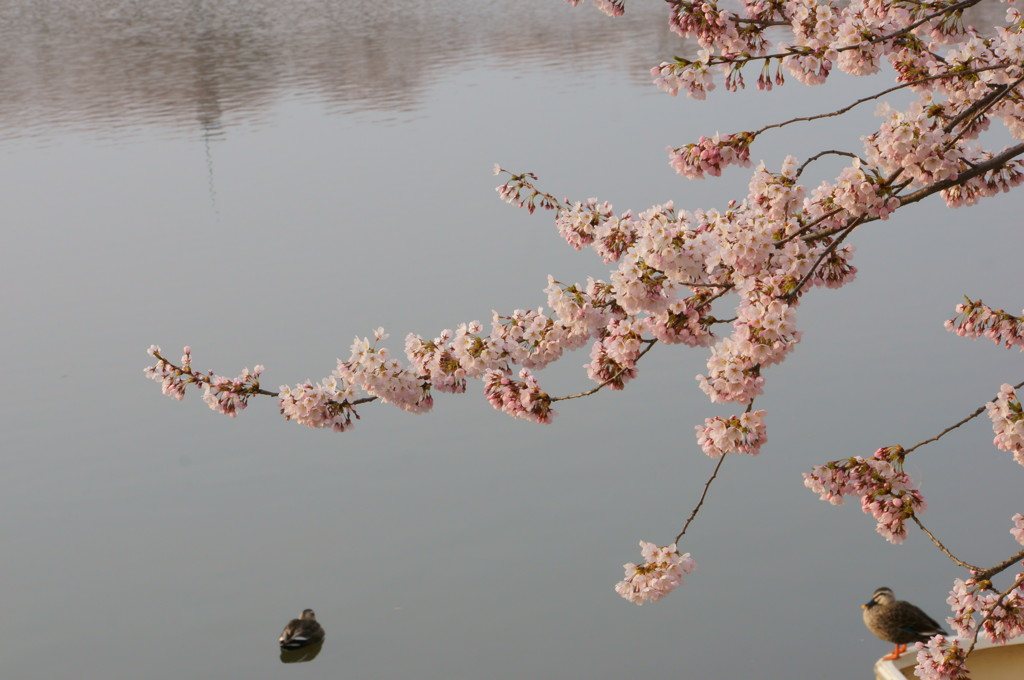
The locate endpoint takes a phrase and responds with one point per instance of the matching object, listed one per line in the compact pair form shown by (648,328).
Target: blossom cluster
(514,189)
(660,574)
(327,404)
(692,77)
(1008,422)
(521,398)
(230,395)
(1001,614)
(224,395)
(941,659)
(173,379)
(577,223)
(863,193)
(886,492)
(613,358)
(745,433)
(714,28)
(956,70)
(975,319)
(915,142)
(377,373)
(613,8)
(709,156)
(1018,528)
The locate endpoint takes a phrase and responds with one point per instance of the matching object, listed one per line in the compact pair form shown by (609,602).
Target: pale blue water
(266,180)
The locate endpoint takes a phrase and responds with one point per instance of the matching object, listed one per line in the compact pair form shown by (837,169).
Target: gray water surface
(265,180)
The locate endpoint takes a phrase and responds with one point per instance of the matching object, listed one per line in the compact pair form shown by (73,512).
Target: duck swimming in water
(898,622)
(302,631)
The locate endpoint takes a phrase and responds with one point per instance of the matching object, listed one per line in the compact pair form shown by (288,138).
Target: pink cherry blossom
(941,659)
(745,433)
(326,404)
(661,572)
(1007,418)
(886,492)
(436,361)
(975,319)
(578,312)
(521,398)
(732,375)
(224,395)
(684,322)
(613,8)
(173,380)
(1018,528)
(692,77)
(577,223)
(229,396)
(978,606)
(374,371)
(709,156)
(613,358)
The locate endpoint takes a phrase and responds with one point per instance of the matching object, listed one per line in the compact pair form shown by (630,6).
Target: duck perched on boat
(898,621)
(303,631)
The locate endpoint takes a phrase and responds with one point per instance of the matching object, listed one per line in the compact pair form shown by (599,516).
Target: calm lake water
(265,180)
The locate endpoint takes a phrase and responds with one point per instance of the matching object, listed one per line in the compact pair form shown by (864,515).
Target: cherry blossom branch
(767,249)
(962,178)
(825,253)
(863,100)
(618,374)
(977,412)
(996,161)
(990,615)
(976,319)
(957,8)
(511,191)
(741,61)
(979,107)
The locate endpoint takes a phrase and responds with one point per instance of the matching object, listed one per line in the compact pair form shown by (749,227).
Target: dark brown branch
(977,412)
(704,494)
(828,251)
(942,548)
(1001,567)
(618,374)
(965,176)
(983,104)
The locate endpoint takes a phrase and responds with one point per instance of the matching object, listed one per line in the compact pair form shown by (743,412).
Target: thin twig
(828,251)
(831,152)
(975,414)
(650,344)
(944,549)
(703,495)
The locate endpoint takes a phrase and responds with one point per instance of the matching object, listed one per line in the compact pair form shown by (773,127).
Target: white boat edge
(997,664)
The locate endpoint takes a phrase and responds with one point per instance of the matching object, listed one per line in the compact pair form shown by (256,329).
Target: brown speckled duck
(302,631)
(897,621)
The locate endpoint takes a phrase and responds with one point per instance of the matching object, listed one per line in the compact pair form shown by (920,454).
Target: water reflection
(111,65)
(301,655)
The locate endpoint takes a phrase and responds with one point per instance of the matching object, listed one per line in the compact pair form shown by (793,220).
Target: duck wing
(912,619)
